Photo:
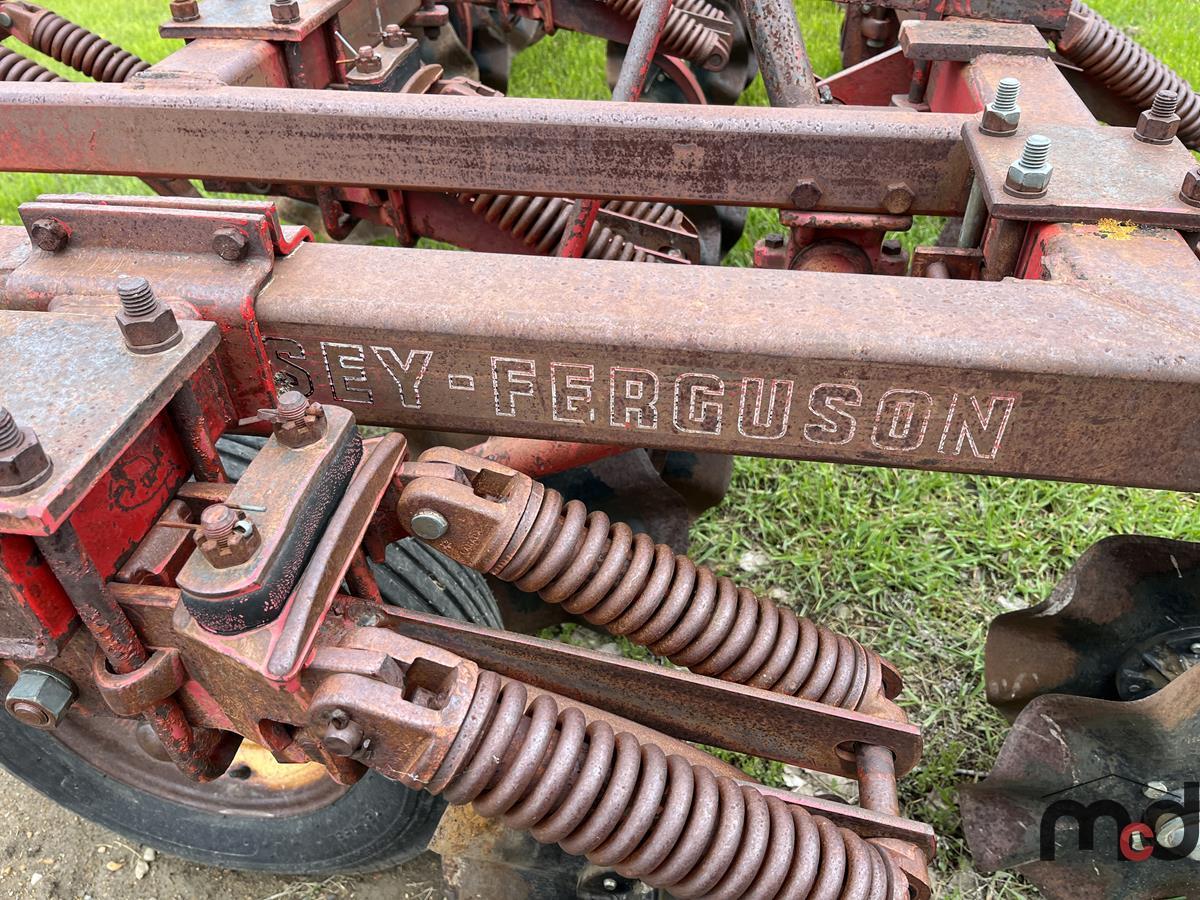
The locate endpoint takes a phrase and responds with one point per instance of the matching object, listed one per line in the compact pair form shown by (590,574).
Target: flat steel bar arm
(739,155)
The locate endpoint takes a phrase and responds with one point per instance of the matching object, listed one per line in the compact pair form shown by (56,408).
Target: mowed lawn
(914,564)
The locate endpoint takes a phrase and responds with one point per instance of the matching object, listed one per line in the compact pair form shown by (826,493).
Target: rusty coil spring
(633,587)
(657,818)
(540,222)
(1128,69)
(15,67)
(683,35)
(83,51)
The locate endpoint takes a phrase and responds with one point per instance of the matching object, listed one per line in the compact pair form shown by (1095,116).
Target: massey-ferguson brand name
(739,409)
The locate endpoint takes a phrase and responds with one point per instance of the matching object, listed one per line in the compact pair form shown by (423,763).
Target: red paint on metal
(31,583)
(120,509)
(949,89)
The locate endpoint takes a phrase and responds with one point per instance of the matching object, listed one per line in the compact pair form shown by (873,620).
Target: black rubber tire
(375,825)
(421,579)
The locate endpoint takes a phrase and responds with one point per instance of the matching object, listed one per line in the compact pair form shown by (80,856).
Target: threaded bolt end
(217,522)
(137,298)
(1036,151)
(292,406)
(1007,92)
(1165,104)
(10,434)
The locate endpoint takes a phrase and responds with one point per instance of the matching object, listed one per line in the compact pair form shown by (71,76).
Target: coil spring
(15,67)
(683,36)
(540,222)
(83,51)
(1129,69)
(650,816)
(633,587)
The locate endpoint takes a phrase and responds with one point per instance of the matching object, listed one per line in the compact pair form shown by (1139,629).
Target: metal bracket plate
(1100,172)
(961,40)
(99,399)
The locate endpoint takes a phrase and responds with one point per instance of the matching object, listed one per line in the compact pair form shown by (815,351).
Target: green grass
(915,564)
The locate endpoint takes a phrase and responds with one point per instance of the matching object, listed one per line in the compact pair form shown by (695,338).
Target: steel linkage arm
(572,776)
(499,521)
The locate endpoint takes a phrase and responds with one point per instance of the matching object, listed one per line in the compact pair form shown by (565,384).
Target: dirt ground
(46,851)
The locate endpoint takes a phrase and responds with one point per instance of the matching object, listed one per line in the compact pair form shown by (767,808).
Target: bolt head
(429,524)
(23,467)
(1028,181)
(185,10)
(229,244)
(1190,192)
(394,36)
(40,697)
(1000,123)
(898,199)
(342,736)
(1152,129)
(150,334)
(49,235)
(285,12)
(806,194)
(774,240)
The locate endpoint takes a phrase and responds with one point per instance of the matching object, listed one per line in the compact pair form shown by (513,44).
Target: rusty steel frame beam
(741,155)
(1022,378)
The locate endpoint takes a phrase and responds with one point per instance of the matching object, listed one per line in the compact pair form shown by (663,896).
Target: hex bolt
(1002,116)
(10,434)
(217,521)
(149,326)
(774,240)
(429,524)
(185,10)
(368,63)
(898,199)
(1190,192)
(806,194)
(285,12)
(23,462)
(1160,123)
(49,235)
(40,697)
(1029,176)
(229,244)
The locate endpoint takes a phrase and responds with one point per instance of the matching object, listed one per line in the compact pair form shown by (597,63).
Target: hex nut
(49,235)
(898,199)
(229,244)
(1190,192)
(40,697)
(185,10)
(285,12)
(1028,181)
(23,467)
(806,194)
(1156,129)
(1000,124)
(151,333)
